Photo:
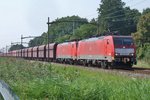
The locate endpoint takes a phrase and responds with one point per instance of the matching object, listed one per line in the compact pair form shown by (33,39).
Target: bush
(143,52)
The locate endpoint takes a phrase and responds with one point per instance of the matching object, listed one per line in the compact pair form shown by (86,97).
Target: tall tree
(85,31)
(143,29)
(111,16)
(132,17)
(145,11)
(142,37)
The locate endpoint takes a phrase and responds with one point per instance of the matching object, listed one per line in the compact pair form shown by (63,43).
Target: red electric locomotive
(67,52)
(107,51)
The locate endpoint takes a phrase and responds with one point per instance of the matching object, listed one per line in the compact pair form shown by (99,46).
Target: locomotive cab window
(123,41)
(128,41)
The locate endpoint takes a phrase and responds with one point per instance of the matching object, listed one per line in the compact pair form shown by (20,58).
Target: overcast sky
(29,17)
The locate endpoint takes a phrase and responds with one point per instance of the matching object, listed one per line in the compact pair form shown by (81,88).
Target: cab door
(108,48)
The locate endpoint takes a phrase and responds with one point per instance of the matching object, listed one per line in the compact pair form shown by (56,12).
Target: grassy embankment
(142,63)
(34,80)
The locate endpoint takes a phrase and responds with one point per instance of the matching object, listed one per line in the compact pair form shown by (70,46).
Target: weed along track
(133,72)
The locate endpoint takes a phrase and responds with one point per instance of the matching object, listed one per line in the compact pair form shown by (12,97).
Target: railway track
(142,70)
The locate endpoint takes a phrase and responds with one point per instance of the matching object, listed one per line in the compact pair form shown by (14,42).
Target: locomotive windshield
(123,41)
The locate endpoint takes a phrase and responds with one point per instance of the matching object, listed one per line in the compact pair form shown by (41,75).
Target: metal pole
(6,50)
(48,36)
(3,51)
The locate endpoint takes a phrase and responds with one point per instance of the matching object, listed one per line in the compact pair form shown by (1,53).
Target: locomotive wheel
(89,64)
(104,65)
(85,63)
(110,65)
(129,65)
(71,62)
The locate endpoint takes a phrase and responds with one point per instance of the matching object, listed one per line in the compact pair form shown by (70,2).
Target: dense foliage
(16,47)
(113,16)
(43,81)
(85,31)
(142,37)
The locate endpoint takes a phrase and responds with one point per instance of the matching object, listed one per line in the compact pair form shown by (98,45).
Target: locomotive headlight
(117,54)
(132,54)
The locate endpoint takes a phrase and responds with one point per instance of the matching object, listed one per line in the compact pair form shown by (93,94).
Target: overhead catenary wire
(131,13)
(123,27)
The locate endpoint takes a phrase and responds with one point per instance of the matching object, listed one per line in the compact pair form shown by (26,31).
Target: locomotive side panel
(92,49)
(108,48)
(67,51)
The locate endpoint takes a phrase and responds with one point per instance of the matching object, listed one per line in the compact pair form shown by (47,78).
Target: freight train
(103,51)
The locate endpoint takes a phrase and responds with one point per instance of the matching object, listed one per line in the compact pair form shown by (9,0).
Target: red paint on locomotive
(67,50)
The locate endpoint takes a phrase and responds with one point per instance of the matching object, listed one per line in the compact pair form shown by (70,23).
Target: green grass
(142,63)
(35,80)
